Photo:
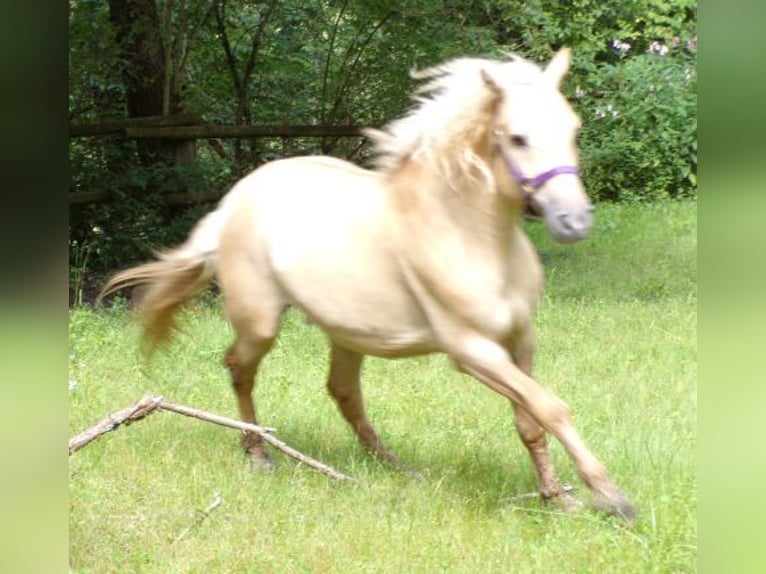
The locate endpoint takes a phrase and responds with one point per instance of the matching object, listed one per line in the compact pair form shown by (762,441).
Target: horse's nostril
(565,221)
(574,223)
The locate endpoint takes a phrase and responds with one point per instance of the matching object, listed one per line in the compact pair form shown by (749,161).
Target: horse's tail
(175,277)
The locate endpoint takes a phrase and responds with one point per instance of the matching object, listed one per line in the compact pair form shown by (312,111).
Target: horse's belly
(388,344)
(361,308)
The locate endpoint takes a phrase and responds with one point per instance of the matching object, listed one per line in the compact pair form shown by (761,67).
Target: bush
(639,138)
(128,229)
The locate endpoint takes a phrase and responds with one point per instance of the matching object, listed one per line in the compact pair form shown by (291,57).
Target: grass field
(616,340)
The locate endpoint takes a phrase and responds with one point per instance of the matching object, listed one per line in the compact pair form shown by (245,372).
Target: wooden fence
(182,127)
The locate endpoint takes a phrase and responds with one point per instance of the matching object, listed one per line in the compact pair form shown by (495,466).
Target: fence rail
(191,127)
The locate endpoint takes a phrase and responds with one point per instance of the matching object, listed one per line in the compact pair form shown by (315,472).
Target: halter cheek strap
(530,184)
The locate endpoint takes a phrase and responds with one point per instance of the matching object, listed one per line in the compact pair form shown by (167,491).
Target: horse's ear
(491,83)
(558,66)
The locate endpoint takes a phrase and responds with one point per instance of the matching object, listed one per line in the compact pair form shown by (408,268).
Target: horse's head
(534,144)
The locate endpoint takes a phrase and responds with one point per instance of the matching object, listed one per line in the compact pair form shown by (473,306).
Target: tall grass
(616,340)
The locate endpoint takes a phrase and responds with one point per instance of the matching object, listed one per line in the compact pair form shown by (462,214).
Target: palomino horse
(422,254)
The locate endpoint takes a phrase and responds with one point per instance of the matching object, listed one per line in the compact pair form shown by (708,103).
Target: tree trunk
(137,25)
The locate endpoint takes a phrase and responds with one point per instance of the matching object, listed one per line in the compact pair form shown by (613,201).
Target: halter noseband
(538,180)
(530,184)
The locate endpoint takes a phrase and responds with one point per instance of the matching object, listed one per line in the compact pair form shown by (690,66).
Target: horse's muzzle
(569,226)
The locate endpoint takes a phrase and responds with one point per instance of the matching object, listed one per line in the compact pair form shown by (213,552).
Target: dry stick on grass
(201,515)
(142,408)
(288,450)
(148,405)
(565,487)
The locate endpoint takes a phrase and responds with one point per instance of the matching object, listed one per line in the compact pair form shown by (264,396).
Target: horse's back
(322,226)
(315,195)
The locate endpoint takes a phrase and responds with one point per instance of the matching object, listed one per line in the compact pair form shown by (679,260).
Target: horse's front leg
(491,364)
(534,437)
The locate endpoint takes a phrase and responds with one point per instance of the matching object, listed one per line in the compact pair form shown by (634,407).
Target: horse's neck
(484,222)
(464,254)
(442,229)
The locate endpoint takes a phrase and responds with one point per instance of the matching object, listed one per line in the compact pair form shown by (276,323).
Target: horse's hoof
(260,462)
(567,503)
(389,459)
(615,503)
(392,462)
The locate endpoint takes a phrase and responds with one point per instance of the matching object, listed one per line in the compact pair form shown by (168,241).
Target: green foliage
(639,137)
(136,222)
(78,268)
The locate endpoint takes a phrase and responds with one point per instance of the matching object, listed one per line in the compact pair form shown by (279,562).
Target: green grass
(616,340)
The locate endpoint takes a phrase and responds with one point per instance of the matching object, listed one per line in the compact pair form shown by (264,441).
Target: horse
(422,252)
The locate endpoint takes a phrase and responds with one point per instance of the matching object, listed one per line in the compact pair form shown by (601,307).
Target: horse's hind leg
(242,359)
(254,309)
(344,386)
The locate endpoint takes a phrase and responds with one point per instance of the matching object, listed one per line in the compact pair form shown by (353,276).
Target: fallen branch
(147,405)
(142,408)
(216,419)
(565,487)
(200,515)
(275,442)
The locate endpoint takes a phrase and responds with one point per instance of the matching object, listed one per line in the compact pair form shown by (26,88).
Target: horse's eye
(518,141)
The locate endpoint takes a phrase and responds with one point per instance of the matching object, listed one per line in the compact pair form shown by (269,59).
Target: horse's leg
(242,359)
(534,436)
(343,384)
(489,363)
(254,308)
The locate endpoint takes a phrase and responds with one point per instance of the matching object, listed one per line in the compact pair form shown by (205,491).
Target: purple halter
(530,184)
(539,180)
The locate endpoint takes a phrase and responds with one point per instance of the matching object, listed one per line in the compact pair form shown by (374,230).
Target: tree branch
(185,51)
(342,91)
(260,431)
(142,408)
(330,49)
(148,405)
(231,62)
(200,516)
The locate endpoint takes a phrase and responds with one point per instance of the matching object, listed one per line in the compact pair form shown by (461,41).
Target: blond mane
(452,113)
